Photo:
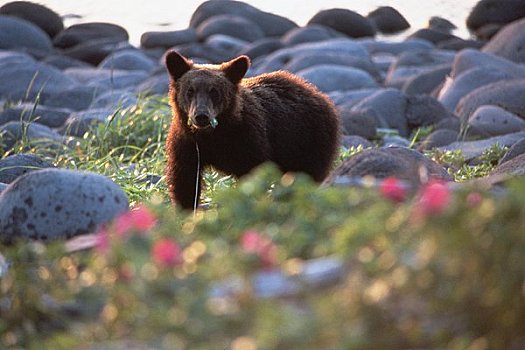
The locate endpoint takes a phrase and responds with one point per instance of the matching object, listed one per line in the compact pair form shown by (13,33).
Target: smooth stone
(308,34)
(271,24)
(14,166)
(81,122)
(3,186)
(514,167)
(344,21)
(202,52)
(474,149)
(17,33)
(509,42)
(395,141)
(36,134)
(57,203)
(85,32)
(107,79)
(431,35)
(261,47)
(454,89)
(403,163)
(96,50)
(388,20)
(438,138)
(168,39)
(490,11)
(469,58)
(231,25)
(488,31)
(507,94)
(514,151)
(134,60)
(359,122)
(154,85)
(114,99)
(41,16)
(394,48)
(75,98)
(496,121)
(25,80)
(424,110)
(63,62)
(426,82)
(354,141)
(7,57)
(441,24)
(347,99)
(458,44)
(29,112)
(226,43)
(329,78)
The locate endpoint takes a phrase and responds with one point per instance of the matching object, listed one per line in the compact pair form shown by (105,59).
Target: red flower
(166,252)
(393,189)
(474,199)
(139,219)
(435,197)
(254,243)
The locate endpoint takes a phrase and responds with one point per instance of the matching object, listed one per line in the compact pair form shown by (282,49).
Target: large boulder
(45,115)
(330,77)
(168,39)
(130,59)
(57,203)
(17,165)
(494,121)
(345,21)
(509,42)
(388,20)
(83,32)
(487,12)
(34,134)
(234,26)
(19,34)
(41,16)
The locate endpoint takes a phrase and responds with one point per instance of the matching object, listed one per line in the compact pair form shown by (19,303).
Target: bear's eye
(214,95)
(190,92)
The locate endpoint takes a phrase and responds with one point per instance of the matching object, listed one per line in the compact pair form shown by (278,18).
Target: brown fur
(274,117)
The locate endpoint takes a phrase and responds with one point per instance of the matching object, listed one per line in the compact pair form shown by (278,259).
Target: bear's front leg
(182,173)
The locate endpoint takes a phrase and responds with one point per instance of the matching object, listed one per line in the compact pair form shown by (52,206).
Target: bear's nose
(202,119)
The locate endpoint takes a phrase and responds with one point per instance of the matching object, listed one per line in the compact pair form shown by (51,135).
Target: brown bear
(234,124)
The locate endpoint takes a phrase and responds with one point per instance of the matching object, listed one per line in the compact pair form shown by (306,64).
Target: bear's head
(203,94)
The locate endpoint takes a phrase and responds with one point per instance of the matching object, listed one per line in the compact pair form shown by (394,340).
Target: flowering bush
(453,278)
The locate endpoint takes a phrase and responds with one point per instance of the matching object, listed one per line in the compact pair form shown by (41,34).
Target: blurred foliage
(448,280)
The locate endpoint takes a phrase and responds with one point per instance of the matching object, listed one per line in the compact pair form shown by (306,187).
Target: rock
(29,112)
(359,122)
(438,138)
(24,80)
(272,25)
(509,42)
(114,99)
(75,98)
(495,11)
(226,43)
(3,186)
(34,133)
(423,110)
(395,141)
(234,26)
(81,122)
(155,85)
(514,151)
(441,24)
(84,32)
(344,21)
(329,77)
(458,44)
(395,48)
(354,141)
(8,57)
(44,18)
(261,47)
(496,121)
(449,123)
(19,34)
(17,165)
(474,149)
(403,163)
(94,51)
(168,39)
(514,166)
(63,62)
(426,82)
(134,60)
(468,59)
(347,99)
(488,31)
(202,52)
(388,20)
(58,203)
(308,34)
(507,94)
(107,79)
(431,35)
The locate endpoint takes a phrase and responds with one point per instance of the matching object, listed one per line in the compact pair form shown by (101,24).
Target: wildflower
(254,243)
(434,198)
(102,241)
(166,252)
(139,219)
(393,189)
(474,199)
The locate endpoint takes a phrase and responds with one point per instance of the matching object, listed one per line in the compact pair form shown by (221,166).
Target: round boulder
(359,122)
(496,121)
(167,39)
(329,77)
(48,116)
(17,165)
(261,47)
(345,21)
(44,18)
(438,138)
(83,32)
(495,11)
(94,51)
(388,20)
(35,134)
(230,25)
(308,34)
(57,204)
(17,33)
(128,60)
(509,42)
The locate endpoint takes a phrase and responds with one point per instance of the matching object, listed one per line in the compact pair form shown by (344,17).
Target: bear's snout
(202,120)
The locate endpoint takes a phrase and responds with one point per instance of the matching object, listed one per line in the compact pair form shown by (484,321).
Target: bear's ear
(236,68)
(177,64)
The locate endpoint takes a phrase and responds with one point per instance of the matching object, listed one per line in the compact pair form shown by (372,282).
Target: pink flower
(166,252)
(254,243)
(393,189)
(474,199)
(140,219)
(435,197)
(102,241)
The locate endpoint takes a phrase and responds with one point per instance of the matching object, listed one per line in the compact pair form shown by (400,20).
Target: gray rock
(3,186)
(474,149)
(202,53)
(514,151)
(48,116)
(496,121)
(403,163)
(94,51)
(495,11)
(84,32)
(354,141)
(388,20)
(441,24)
(509,42)
(44,18)
(423,110)
(431,35)
(35,134)
(347,99)
(75,98)
(154,85)
(438,138)
(394,48)
(468,59)
(17,165)
(226,43)
(134,60)
(8,57)
(107,79)
(395,141)
(81,122)
(426,82)
(168,39)
(361,123)
(507,94)
(344,21)
(114,99)
(19,34)
(63,62)
(308,34)
(231,25)
(458,44)
(261,47)
(514,166)
(333,77)
(57,203)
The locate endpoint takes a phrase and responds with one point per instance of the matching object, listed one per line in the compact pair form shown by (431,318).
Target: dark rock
(155,85)
(344,21)
(431,35)
(426,82)
(85,32)
(58,204)
(329,77)
(272,25)
(496,121)
(94,51)
(515,150)
(390,140)
(225,43)
(495,11)
(438,138)
(230,25)
(19,34)
(261,47)
(128,60)
(348,99)
(354,141)
(63,62)
(114,99)
(458,44)
(507,94)
(395,48)
(469,59)
(441,24)
(107,79)
(514,166)
(41,16)
(449,123)
(308,34)
(81,122)
(359,122)
(388,20)
(45,115)
(509,42)
(403,163)
(35,134)
(168,39)
(423,110)
(488,31)
(17,165)
(75,98)
(203,52)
